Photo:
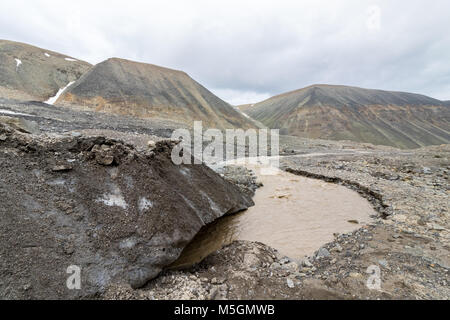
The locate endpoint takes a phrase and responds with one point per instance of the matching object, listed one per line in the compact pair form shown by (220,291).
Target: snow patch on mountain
(18,63)
(52,100)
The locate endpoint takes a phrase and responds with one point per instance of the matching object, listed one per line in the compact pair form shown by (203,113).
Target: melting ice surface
(145,204)
(113,200)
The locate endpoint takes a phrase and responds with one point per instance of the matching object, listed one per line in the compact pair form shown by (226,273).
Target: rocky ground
(244,178)
(61,119)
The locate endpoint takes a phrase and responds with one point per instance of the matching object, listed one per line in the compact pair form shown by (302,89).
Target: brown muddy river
(293,214)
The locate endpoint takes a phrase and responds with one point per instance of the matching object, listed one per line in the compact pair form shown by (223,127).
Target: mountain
(398,119)
(144,90)
(32,73)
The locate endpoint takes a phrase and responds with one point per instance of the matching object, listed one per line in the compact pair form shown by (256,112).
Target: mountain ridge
(145,90)
(335,112)
(333,86)
(28,72)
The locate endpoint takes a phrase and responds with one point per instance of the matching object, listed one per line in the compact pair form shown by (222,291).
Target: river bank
(295,215)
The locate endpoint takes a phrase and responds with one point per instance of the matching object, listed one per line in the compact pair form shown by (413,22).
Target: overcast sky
(246,51)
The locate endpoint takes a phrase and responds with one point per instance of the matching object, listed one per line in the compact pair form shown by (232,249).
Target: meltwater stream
(293,214)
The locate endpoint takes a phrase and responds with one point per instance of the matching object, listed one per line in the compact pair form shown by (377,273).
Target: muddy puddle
(293,214)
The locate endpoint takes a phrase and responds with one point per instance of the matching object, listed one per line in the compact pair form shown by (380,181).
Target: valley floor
(409,241)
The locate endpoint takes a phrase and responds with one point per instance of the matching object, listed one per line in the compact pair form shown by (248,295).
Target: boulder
(64,214)
(21,124)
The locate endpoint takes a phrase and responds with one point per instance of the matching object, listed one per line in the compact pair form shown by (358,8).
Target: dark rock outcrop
(20,124)
(65,203)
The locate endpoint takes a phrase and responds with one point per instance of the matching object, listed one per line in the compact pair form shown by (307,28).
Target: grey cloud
(248,50)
